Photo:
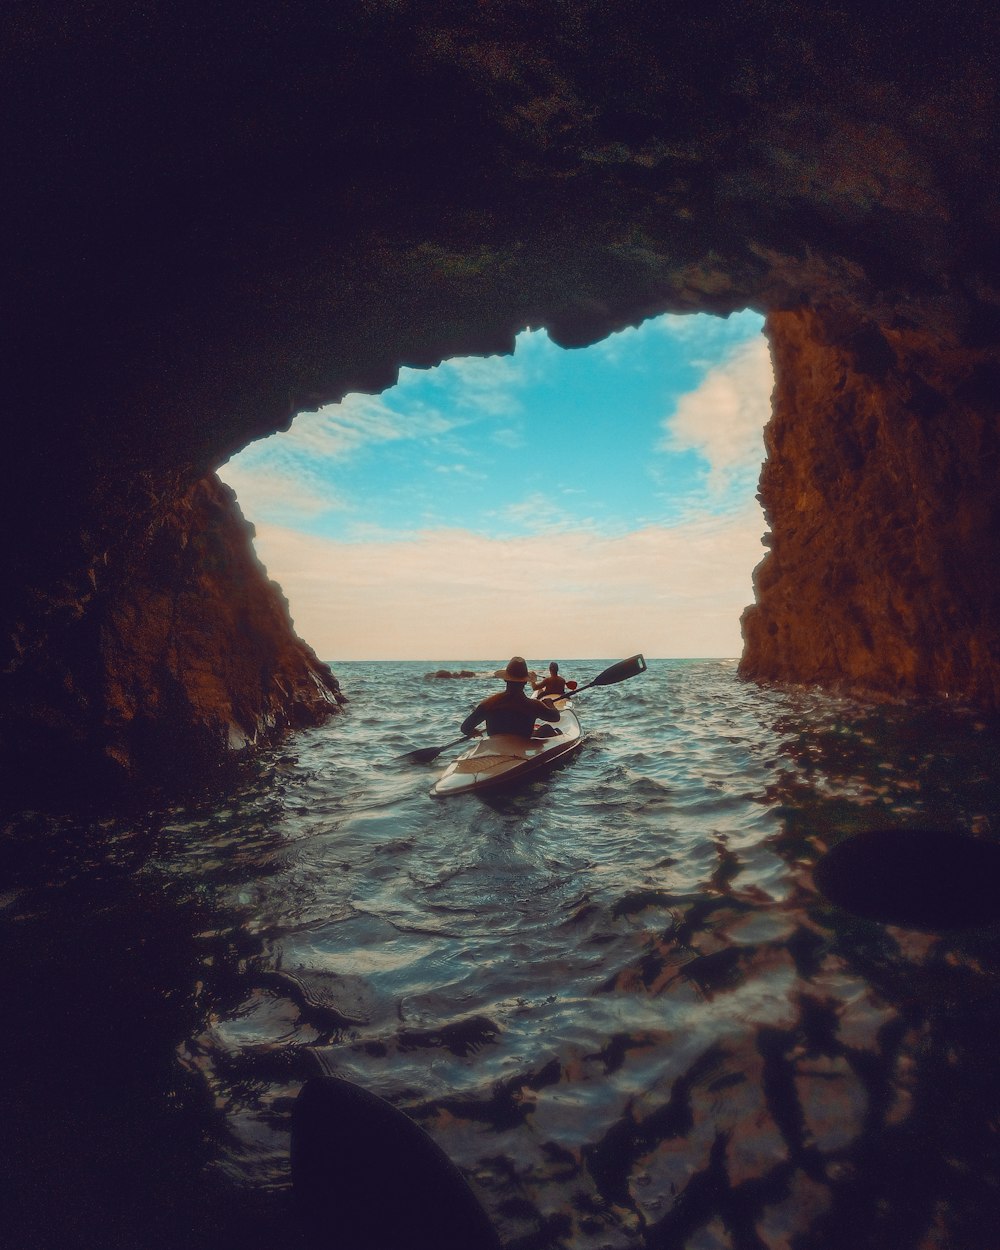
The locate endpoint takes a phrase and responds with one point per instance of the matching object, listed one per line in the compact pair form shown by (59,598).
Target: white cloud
(291,476)
(339,430)
(509,436)
(286,494)
(540,513)
(461,470)
(707,330)
(481,386)
(723,419)
(451,594)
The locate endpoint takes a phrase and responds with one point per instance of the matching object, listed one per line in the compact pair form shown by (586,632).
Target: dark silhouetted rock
(368,1177)
(931,879)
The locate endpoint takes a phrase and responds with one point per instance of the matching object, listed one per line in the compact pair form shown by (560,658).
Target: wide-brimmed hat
(516,670)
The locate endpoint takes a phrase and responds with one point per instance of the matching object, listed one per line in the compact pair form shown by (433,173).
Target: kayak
(506,758)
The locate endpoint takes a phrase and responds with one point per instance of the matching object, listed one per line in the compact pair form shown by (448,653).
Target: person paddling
(510,711)
(554,686)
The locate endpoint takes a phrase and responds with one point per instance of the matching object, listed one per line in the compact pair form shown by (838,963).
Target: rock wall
(168,652)
(883,455)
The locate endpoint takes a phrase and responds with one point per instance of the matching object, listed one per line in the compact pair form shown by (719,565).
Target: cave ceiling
(221,219)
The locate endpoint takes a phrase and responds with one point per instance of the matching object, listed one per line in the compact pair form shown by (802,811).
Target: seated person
(510,711)
(552,686)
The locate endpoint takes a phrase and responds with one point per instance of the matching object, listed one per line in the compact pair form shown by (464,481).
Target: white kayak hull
(503,759)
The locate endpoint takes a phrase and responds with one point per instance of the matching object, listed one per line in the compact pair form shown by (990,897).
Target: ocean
(614,996)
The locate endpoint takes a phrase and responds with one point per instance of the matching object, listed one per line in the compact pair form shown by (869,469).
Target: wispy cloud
(723,419)
(339,430)
(461,470)
(285,494)
(706,330)
(541,513)
(511,437)
(486,386)
(454,594)
(292,476)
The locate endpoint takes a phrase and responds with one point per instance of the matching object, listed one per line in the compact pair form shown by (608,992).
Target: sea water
(613,995)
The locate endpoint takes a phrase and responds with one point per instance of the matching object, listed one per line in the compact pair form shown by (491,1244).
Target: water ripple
(615,996)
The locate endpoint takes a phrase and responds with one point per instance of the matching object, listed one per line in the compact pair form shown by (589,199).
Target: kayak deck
(505,758)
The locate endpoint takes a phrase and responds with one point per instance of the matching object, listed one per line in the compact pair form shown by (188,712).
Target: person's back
(510,711)
(553,685)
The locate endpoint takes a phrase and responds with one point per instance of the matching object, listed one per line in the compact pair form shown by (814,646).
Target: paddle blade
(422,755)
(619,672)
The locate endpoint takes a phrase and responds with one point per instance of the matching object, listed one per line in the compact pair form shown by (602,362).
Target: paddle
(424,755)
(610,677)
(617,672)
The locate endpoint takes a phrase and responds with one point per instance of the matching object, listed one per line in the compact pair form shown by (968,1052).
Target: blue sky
(587,503)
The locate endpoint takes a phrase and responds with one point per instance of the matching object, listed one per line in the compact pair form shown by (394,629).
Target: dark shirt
(509,712)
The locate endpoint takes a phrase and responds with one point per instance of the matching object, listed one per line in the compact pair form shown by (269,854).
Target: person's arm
(475,717)
(545,711)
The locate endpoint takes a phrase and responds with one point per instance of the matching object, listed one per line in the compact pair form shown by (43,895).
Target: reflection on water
(615,997)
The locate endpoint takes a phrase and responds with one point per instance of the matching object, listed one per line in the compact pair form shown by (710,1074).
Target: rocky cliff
(214,220)
(168,652)
(883,456)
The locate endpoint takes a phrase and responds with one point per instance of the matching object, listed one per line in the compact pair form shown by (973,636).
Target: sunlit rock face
(880,488)
(216,221)
(192,657)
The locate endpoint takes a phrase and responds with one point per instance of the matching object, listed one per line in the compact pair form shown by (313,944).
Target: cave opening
(543,498)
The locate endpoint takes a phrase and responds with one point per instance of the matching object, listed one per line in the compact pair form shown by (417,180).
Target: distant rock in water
(443,672)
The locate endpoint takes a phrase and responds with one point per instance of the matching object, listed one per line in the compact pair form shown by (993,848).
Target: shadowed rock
(919,878)
(366,1176)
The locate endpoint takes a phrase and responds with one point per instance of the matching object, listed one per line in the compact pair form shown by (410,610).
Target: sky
(556,504)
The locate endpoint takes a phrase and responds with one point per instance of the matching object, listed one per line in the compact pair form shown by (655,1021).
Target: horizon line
(492,659)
